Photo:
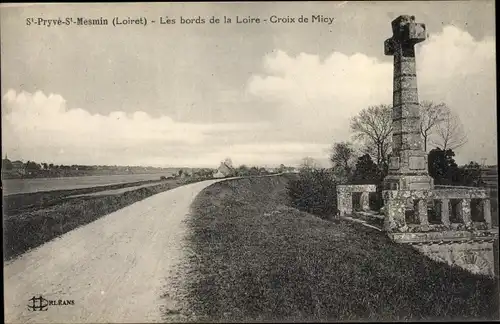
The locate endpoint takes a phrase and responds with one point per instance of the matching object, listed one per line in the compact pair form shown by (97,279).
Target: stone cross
(408,165)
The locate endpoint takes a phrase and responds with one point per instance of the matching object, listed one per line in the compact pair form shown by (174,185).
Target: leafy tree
(373,126)
(32,166)
(263,171)
(242,170)
(442,167)
(314,192)
(203,173)
(342,158)
(366,171)
(470,175)
(253,171)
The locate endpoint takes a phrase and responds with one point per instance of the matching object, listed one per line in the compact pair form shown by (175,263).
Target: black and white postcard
(252,161)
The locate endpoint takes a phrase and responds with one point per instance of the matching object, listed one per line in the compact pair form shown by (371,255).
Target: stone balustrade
(345,195)
(407,210)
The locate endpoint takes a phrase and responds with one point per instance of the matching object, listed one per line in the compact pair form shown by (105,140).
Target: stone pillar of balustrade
(345,203)
(394,214)
(445,212)
(421,212)
(365,201)
(464,211)
(486,204)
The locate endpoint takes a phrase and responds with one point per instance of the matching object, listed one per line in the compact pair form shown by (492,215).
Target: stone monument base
(467,250)
(408,182)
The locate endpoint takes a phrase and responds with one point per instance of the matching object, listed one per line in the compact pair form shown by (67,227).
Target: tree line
(34,166)
(31,169)
(439,127)
(364,160)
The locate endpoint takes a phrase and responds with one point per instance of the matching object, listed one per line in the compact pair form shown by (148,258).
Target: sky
(260,94)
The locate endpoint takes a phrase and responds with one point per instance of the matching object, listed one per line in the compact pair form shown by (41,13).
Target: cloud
(41,127)
(310,101)
(460,71)
(32,114)
(332,87)
(453,67)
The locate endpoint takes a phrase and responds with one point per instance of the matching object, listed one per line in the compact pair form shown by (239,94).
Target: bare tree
(342,155)
(370,149)
(373,125)
(431,115)
(449,133)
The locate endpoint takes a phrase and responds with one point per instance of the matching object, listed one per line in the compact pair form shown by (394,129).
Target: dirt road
(114,269)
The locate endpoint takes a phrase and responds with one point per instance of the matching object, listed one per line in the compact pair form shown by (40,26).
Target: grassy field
(29,185)
(256,259)
(18,203)
(34,219)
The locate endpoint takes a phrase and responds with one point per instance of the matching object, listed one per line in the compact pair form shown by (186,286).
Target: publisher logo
(40,304)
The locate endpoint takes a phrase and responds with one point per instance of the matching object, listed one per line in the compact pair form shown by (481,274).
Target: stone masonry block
(396,99)
(460,193)
(397,140)
(410,142)
(394,163)
(410,110)
(417,163)
(407,60)
(409,82)
(409,95)
(396,112)
(410,124)
(408,65)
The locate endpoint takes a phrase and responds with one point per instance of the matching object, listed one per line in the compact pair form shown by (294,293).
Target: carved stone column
(464,212)
(344,202)
(394,214)
(365,201)
(445,212)
(422,212)
(486,204)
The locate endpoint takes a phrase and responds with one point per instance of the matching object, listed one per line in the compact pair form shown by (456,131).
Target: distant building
(224,170)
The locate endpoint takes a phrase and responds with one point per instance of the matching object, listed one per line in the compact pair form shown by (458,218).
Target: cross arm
(406,30)
(389,46)
(416,33)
